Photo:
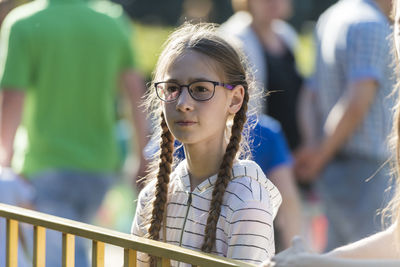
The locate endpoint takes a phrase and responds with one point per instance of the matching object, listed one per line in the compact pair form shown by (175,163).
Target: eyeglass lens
(170,91)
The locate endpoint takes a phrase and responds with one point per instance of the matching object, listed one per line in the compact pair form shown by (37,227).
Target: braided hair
(167,146)
(224,176)
(200,38)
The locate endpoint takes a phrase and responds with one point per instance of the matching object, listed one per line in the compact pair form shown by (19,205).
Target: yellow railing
(100,237)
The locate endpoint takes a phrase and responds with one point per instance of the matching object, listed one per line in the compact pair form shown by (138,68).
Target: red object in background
(319,229)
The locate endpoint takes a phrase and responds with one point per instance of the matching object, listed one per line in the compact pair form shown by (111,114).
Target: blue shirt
(267,143)
(353,44)
(269,147)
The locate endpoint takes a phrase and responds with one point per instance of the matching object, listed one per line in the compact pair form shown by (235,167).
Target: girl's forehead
(194,64)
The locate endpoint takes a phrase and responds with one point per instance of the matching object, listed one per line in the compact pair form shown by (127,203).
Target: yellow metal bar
(124,240)
(12,243)
(97,254)
(129,257)
(165,262)
(39,246)
(68,250)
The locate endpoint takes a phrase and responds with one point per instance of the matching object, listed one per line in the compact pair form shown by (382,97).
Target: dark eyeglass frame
(225,85)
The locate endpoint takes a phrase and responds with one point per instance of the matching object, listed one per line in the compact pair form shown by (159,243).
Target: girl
(211,201)
(381,249)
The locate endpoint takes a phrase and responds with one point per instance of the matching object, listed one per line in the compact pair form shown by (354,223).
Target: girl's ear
(236,99)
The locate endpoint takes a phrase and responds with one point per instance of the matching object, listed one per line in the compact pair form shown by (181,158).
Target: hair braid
(166,158)
(224,176)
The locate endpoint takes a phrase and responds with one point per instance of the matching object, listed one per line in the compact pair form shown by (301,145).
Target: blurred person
(346,116)
(380,249)
(62,63)
(196,10)
(269,44)
(14,190)
(270,150)
(5,7)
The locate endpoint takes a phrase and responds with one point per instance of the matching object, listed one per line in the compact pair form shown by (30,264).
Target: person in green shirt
(62,63)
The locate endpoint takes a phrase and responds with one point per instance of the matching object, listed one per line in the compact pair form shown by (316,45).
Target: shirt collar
(184,176)
(240,169)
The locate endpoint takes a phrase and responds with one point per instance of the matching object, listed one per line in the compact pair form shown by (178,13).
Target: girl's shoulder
(249,184)
(146,194)
(178,180)
(247,168)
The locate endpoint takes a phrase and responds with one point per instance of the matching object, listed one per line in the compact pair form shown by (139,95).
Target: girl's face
(192,121)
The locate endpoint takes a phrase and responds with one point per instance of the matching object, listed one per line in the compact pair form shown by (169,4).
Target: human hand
(5,156)
(15,189)
(309,161)
(295,256)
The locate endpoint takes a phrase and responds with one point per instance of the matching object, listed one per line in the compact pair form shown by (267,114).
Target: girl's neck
(203,160)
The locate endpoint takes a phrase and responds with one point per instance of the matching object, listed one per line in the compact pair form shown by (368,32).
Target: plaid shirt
(353,44)
(244,229)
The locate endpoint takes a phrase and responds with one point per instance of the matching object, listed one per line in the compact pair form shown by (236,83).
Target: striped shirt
(245,226)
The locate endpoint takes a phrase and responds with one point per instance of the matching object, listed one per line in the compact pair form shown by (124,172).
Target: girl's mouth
(185,123)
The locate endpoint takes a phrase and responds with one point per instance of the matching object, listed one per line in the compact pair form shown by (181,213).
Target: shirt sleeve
(15,66)
(270,148)
(367,45)
(138,228)
(251,234)
(280,150)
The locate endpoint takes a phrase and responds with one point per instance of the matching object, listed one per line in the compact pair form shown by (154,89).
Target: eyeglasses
(198,90)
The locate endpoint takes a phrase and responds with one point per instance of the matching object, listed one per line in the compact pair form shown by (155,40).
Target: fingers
(268,263)
(284,254)
(298,245)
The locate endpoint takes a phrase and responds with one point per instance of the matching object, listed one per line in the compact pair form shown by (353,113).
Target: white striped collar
(241,168)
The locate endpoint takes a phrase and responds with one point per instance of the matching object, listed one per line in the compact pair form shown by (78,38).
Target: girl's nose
(184,101)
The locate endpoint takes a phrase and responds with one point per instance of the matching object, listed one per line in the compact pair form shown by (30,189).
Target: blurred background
(152,21)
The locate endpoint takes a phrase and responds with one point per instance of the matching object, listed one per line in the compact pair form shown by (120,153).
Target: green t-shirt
(68,58)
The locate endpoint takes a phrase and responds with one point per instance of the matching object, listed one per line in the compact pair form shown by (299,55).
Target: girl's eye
(172,88)
(200,89)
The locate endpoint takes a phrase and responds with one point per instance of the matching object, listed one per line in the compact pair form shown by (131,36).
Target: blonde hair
(393,208)
(201,38)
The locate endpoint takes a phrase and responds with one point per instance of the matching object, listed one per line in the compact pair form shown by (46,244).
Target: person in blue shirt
(270,150)
(269,147)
